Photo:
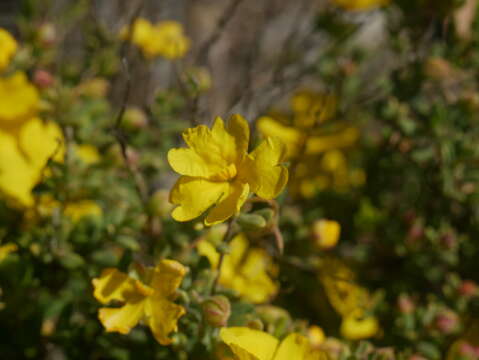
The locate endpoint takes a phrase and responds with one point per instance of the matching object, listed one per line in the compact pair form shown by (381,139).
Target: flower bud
(405,304)
(216,310)
(47,34)
(326,233)
(255,324)
(468,288)
(447,322)
(251,222)
(42,78)
(159,204)
(134,118)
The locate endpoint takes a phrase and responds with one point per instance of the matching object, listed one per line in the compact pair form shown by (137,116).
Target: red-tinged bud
(467,350)
(43,79)
(468,288)
(447,322)
(406,304)
(216,310)
(416,357)
(449,240)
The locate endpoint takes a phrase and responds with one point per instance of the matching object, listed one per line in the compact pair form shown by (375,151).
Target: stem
(226,239)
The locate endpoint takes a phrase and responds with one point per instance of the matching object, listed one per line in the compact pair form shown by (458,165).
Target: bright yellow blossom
(8,47)
(245,269)
(165,38)
(249,344)
(150,301)
(326,233)
(218,171)
(349,299)
(23,157)
(358,5)
(6,249)
(18,101)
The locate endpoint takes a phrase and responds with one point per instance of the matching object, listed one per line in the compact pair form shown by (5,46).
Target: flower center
(228,173)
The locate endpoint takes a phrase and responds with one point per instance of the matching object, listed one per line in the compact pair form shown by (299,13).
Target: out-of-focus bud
(251,222)
(198,79)
(447,322)
(416,357)
(96,87)
(416,231)
(334,348)
(468,288)
(255,324)
(326,233)
(47,34)
(159,204)
(438,68)
(134,119)
(467,350)
(266,213)
(42,78)
(216,310)
(115,156)
(406,304)
(316,336)
(449,240)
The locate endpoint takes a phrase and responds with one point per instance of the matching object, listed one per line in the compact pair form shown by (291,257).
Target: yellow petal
(124,318)
(88,154)
(356,5)
(41,140)
(229,205)
(83,208)
(115,285)
(18,100)
(326,233)
(6,249)
(162,317)
(262,171)
(194,196)
(291,137)
(238,127)
(188,162)
(167,276)
(344,138)
(8,47)
(249,344)
(294,346)
(357,327)
(17,176)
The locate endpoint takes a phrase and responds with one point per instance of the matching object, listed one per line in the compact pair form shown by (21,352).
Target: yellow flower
(8,47)
(165,38)
(217,170)
(355,5)
(150,301)
(357,326)
(18,101)
(326,233)
(23,157)
(249,344)
(6,249)
(349,299)
(246,270)
(88,154)
(316,336)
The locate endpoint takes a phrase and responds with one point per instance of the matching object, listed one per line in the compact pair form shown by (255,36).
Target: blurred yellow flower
(316,336)
(88,154)
(245,269)
(358,326)
(8,47)
(315,144)
(150,301)
(6,249)
(18,101)
(217,170)
(349,299)
(165,38)
(23,157)
(249,344)
(357,5)
(78,210)
(326,233)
